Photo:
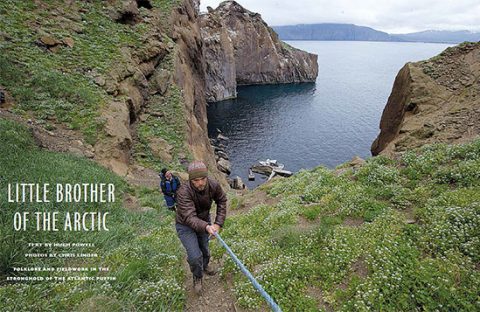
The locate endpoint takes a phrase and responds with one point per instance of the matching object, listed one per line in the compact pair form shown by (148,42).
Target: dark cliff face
(437,100)
(241,49)
(394,111)
(190,77)
(220,68)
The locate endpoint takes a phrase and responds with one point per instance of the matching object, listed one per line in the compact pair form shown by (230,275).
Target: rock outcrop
(132,84)
(241,49)
(146,98)
(437,100)
(148,75)
(190,77)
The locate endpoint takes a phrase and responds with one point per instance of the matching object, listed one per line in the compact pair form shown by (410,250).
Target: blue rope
(252,279)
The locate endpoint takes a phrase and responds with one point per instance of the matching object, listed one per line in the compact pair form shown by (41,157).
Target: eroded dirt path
(217,291)
(217,295)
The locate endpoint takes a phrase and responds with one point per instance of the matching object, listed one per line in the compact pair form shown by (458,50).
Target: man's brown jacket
(193,207)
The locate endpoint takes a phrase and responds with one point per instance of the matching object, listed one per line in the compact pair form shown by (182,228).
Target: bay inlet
(311,124)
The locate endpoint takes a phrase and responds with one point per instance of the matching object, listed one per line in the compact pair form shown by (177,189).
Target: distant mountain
(339,32)
(330,31)
(440,36)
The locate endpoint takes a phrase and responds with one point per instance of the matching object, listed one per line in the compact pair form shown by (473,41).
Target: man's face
(168,175)
(199,183)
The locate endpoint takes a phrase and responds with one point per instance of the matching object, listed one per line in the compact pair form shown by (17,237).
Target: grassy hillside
(392,235)
(70,82)
(55,86)
(141,249)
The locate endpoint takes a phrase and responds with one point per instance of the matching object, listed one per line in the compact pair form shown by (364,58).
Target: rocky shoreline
(219,145)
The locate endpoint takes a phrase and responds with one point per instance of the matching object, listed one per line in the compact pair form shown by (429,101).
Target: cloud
(390,16)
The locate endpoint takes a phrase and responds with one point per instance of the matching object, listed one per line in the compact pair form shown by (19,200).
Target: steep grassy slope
(391,235)
(56,85)
(64,62)
(140,249)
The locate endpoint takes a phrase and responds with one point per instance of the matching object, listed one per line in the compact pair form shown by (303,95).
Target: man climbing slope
(193,223)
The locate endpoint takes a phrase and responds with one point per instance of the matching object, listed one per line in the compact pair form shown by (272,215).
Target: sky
(401,16)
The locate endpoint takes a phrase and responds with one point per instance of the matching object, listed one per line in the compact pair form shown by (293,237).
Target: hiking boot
(197,285)
(209,271)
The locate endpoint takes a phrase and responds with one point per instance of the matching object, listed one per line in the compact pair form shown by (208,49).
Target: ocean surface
(311,124)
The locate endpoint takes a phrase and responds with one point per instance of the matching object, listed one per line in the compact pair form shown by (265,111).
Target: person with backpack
(169,184)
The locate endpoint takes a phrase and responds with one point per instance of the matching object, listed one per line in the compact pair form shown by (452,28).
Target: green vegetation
(171,128)
(392,235)
(140,249)
(58,85)
(54,97)
(68,84)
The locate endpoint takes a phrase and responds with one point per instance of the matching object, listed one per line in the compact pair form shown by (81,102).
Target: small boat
(270,167)
(282,172)
(271,163)
(251,176)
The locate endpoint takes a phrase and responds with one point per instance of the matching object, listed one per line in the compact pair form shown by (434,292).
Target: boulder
(237,183)
(69,42)
(161,149)
(218,149)
(126,12)
(147,68)
(159,81)
(100,80)
(222,155)
(224,166)
(357,162)
(221,137)
(49,41)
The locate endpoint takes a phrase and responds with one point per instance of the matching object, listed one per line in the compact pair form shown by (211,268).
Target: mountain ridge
(346,31)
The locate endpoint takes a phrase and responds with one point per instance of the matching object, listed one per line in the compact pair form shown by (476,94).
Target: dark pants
(196,245)
(170,201)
